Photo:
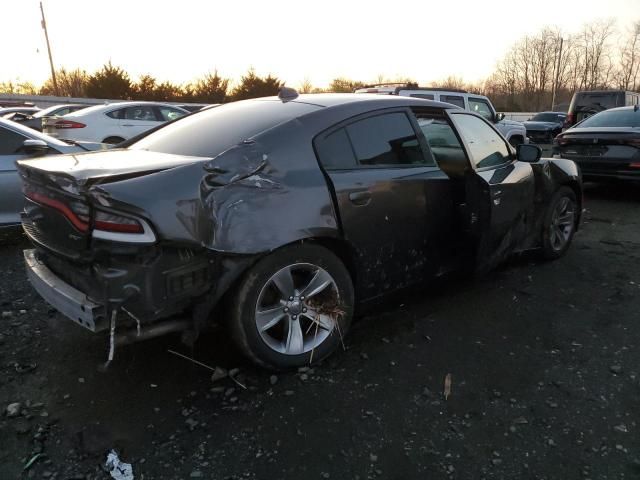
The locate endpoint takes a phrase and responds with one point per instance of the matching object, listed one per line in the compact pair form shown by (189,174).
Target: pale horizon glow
(295,41)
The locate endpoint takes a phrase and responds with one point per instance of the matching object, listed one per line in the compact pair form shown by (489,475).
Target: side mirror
(498,117)
(526,152)
(38,147)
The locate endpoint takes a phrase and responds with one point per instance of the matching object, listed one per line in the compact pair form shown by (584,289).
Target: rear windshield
(548,117)
(593,100)
(212,131)
(613,118)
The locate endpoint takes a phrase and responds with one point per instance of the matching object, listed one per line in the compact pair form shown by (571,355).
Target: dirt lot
(543,358)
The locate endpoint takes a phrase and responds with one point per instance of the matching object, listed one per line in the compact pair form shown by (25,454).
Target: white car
(112,123)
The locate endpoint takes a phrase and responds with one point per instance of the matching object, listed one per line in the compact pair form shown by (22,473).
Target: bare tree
(629,72)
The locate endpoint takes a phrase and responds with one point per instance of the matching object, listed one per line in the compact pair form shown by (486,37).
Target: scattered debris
(13,409)
(273,379)
(118,469)
(218,374)
(447,386)
(622,428)
(615,369)
(33,460)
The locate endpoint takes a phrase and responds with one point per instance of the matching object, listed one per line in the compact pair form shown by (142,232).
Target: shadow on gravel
(613,191)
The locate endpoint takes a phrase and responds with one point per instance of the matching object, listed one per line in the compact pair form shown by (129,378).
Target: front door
(499,190)
(138,119)
(394,203)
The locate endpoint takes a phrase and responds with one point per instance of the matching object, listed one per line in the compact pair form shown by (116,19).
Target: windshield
(548,117)
(613,118)
(212,131)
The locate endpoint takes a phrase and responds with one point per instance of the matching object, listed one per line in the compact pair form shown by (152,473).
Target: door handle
(362,197)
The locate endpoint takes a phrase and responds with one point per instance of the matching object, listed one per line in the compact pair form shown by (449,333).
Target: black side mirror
(525,152)
(35,147)
(498,117)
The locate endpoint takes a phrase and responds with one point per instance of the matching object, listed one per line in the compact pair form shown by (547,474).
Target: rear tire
(559,224)
(113,140)
(292,308)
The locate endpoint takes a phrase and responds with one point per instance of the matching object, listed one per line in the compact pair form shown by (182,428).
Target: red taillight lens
(634,165)
(110,222)
(76,213)
(62,124)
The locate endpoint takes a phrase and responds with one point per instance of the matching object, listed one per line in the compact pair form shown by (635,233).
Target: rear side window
(117,114)
(487,148)
(10,142)
(335,151)
(453,99)
(387,139)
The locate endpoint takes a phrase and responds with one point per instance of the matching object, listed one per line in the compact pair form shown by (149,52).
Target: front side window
(486,147)
(387,139)
(481,107)
(453,99)
(442,140)
(10,142)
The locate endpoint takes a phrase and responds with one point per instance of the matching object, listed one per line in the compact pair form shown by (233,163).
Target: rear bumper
(63,297)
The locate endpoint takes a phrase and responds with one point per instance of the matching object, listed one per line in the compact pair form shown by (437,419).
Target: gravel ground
(543,360)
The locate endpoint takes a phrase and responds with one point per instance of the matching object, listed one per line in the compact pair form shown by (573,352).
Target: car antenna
(287,93)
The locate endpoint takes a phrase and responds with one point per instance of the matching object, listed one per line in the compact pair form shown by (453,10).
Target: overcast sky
(318,40)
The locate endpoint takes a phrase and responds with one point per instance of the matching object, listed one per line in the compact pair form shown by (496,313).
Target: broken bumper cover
(67,300)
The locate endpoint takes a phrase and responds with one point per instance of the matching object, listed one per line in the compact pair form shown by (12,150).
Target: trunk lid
(59,211)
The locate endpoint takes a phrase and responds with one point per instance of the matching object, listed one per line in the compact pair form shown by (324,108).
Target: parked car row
(279,216)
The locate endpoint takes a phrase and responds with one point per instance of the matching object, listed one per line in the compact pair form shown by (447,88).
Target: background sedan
(544,126)
(112,123)
(605,146)
(35,119)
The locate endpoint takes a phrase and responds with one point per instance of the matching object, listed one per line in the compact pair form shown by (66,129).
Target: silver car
(17,143)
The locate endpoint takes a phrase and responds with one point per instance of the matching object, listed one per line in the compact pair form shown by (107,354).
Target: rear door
(499,190)
(393,202)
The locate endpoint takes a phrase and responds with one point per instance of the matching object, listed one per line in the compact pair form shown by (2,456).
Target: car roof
(628,107)
(372,100)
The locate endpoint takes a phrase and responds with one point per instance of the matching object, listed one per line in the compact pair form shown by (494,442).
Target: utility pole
(46,36)
(555,81)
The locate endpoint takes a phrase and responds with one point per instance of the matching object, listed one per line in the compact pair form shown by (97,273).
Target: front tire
(559,224)
(293,307)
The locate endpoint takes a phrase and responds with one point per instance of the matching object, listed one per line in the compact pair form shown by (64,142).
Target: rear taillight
(634,165)
(76,212)
(110,222)
(63,124)
(570,120)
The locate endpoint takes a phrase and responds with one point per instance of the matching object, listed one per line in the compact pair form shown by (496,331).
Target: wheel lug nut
(295,316)
(286,309)
(302,297)
(291,299)
(304,310)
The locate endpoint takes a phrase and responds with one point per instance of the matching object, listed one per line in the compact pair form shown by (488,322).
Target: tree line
(525,79)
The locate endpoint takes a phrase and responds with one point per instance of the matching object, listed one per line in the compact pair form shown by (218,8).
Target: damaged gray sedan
(278,216)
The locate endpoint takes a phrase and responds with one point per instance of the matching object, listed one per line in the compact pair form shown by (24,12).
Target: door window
(481,107)
(453,99)
(335,152)
(387,139)
(10,142)
(117,114)
(141,112)
(168,113)
(442,140)
(486,147)
(426,96)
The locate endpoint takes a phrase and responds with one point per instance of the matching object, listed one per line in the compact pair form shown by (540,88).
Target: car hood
(510,123)
(92,166)
(535,125)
